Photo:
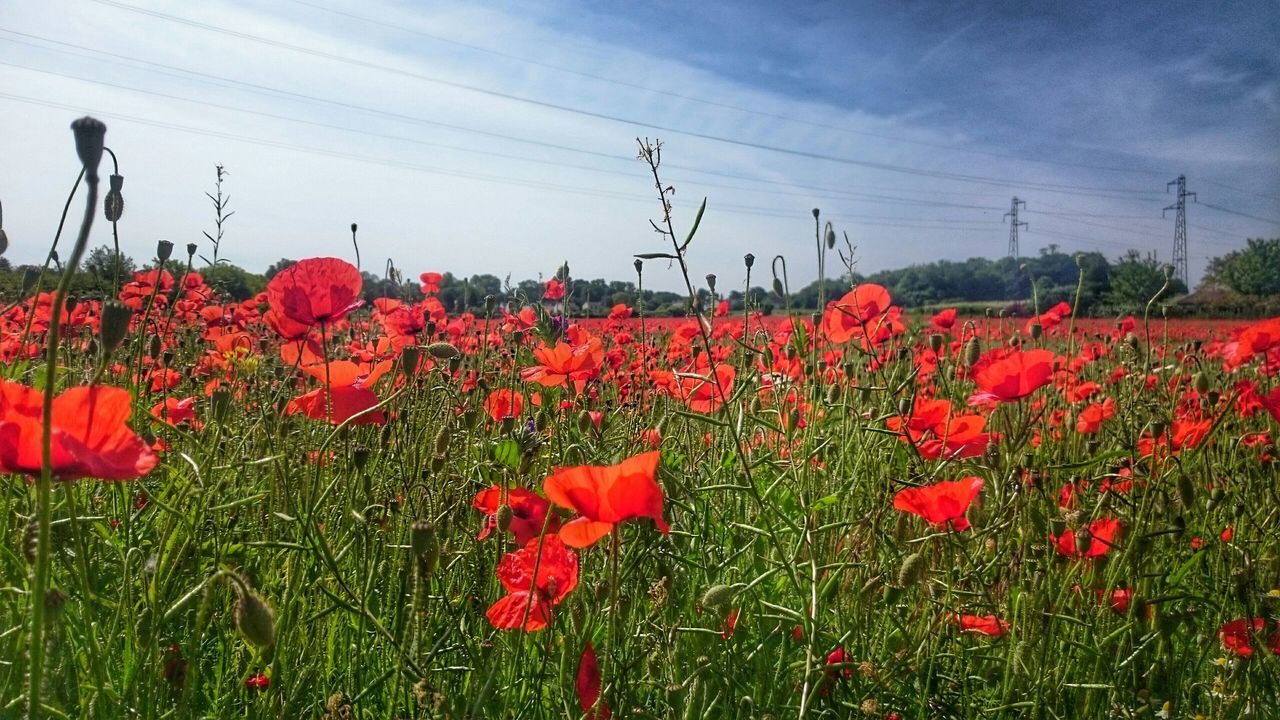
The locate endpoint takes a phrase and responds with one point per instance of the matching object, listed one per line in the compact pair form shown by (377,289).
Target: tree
(278,266)
(233,282)
(101,263)
(1136,279)
(1253,271)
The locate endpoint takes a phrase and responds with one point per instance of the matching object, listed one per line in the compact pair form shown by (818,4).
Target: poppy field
(309,505)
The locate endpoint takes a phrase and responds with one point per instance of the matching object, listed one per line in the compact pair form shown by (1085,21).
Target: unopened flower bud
(254,617)
(717,595)
(1200,382)
(442,441)
(1037,331)
(912,570)
(443,350)
(503,517)
(935,342)
(778,289)
(831,238)
(113,326)
(972,352)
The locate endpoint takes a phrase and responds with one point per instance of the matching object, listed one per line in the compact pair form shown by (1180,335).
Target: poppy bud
(1186,491)
(935,342)
(1200,382)
(912,570)
(584,422)
(164,249)
(833,395)
(717,595)
(4,241)
(749,260)
(254,618)
(443,351)
(360,457)
(1157,428)
(972,352)
(29,277)
(113,203)
(89,134)
(503,517)
(422,537)
(777,289)
(1084,540)
(113,326)
(508,424)
(1132,341)
(409,358)
(1213,396)
(437,463)
(1037,331)
(442,441)
(815,213)
(831,238)
(1092,446)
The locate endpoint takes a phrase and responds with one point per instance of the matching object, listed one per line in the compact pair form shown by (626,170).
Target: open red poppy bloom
(605,495)
(345,402)
(856,313)
(942,503)
(588,686)
(944,320)
(503,404)
(989,625)
(530,598)
(1016,375)
(90,437)
(699,392)
(553,290)
(315,291)
(1102,535)
(528,512)
(1235,635)
(565,362)
(430,282)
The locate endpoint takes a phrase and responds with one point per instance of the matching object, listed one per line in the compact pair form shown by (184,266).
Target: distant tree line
(1243,281)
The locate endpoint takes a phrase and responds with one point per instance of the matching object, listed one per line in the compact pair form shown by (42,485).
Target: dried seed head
(749,260)
(90,135)
(936,342)
(113,203)
(711,281)
(164,250)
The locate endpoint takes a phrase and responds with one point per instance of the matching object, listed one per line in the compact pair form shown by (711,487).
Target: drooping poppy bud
(717,595)
(972,352)
(912,570)
(113,203)
(254,617)
(443,350)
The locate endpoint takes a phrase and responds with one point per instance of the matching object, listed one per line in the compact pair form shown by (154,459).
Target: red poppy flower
(606,495)
(989,625)
(176,411)
(528,512)
(855,314)
(257,681)
(430,282)
(565,362)
(588,686)
(553,290)
(503,404)
(698,392)
(942,503)
(530,598)
(945,319)
(1236,636)
(315,291)
(620,312)
(346,402)
(1102,535)
(90,437)
(1016,375)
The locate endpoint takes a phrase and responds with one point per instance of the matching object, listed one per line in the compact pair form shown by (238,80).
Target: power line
(1229,211)
(887,167)
(711,103)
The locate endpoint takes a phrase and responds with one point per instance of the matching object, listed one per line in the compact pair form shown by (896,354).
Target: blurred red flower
(1016,375)
(346,401)
(989,625)
(1236,636)
(430,282)
(563,362)
(90,434)
(553,290)
(605,495)
(1102,535)
(588,686)
(503,403)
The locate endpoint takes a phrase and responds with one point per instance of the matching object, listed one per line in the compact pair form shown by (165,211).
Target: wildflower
(503,403)
(430,282)
(562,363)
(553,290)
(604,496)
(588,686)
(531,597)
(941,504)
(988,625)
(89,438)
(1016,375)
(343,403)
(1236,636)
(528,512)
(944,320)
(1101,536)
(853,314)
(315,291)
(257,681)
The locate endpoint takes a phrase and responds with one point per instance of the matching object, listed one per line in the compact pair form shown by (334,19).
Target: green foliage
(1253,271)
(1136,279)
(234,283)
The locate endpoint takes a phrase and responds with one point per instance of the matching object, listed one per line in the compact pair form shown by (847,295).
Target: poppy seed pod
(717,595)
(29,278)
(191,250)
(220,403)
(164,249)
(442,441)
(90,135)
(254,618)
(639,265)
(353,227)
(711,281)
(749,260)
(1037,331)
(443,350)
(114,324)
(1084,540)
(113,203)
(935,342)
(816,211)
(4,239)
(409,358)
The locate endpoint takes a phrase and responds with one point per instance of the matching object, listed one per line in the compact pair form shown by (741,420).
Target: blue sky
(497,137)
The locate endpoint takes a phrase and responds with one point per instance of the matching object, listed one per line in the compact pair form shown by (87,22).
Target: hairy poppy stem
(89,134)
